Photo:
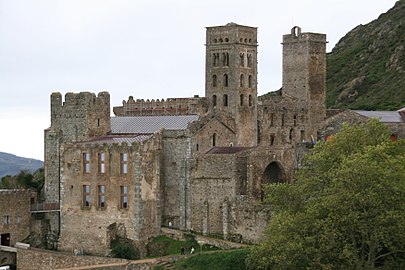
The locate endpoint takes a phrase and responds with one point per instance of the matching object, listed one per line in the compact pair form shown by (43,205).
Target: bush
(125,249)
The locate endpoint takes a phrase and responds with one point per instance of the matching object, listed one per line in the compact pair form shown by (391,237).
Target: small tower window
(214,100)
(215,59)
(272,119)
(214,138)
(302,135)
(291,134)
(226,80)
(214,80)
(249,60)
(225,59)
(241,99)
(98,122)
(295,120)
(225,100)
(242,78)
(272,138)
(242,59)
(250,81)
(282,120)
(250,100)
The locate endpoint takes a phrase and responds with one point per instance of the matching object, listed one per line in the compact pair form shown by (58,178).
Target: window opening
(225,100)
(214,80)
(241,80)
(226,80)
(124,197)
(86,196)
(250,81)
(250,100)
(86,162)
(101,196)
(242,59)
(124,163)
(214,138)
(241,99)
(101,162)
(214,100)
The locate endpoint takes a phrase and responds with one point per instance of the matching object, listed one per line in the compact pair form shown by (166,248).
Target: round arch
(274,173)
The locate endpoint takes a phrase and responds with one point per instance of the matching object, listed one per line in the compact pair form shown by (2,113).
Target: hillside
(11,164)
(366,69)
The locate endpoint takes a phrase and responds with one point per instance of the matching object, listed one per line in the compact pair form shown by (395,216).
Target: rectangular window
(6,219)
(86,162)
(101,163)
(124,197)
(101,196)
(123,163)
(86,196)
(18,219)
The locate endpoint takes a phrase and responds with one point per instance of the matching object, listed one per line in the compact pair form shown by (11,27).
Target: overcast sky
(141,48)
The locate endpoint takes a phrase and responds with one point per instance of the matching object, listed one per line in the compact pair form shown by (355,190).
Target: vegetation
(163,245)
(24,180)
(366,68)
(346,209)
(125,249)
(233,260)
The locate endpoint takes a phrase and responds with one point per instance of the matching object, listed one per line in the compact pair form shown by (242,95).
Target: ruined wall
(91,226)
(170,106)
(15,215)
(80,117)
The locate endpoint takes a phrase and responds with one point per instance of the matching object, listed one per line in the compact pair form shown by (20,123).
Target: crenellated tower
(231,77)
(80,117)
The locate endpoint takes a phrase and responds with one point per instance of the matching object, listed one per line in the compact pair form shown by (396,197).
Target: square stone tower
(231,77)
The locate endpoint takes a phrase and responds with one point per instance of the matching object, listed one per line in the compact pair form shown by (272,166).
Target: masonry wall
(92,227)
(15,214)
(176,178)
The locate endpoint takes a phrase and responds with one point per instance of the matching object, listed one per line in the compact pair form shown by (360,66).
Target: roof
(227,150)
(121,139)
(383,116)
(149,124)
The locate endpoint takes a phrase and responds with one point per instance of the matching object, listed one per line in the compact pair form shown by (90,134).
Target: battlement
(170,106)
(231,33)
(297,36)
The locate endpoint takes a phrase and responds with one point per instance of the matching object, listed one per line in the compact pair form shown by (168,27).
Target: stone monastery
(199,163)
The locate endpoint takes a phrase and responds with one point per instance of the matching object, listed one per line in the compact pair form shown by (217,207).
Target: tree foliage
(346,209)
(24,180)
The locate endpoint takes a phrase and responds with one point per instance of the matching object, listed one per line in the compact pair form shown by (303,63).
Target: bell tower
(231,77)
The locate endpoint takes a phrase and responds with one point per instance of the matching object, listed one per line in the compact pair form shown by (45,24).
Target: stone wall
(36,259)
(15,215)
(91,227)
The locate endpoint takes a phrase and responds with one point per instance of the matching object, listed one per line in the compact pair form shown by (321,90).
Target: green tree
(346,209)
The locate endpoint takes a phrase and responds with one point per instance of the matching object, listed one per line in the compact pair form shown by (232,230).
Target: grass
(232,260)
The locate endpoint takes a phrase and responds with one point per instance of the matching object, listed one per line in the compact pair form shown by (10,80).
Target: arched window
(250,81)
(225,97)
(242,78)
(242,59)
(214,138)
(216,59)
(249,60)
(225,59)
(214,80)
(214,100)
(250,100)
(226,80)
(295,120)
(241,99)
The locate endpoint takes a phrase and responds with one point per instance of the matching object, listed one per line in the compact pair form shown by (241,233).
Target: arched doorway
(274,173)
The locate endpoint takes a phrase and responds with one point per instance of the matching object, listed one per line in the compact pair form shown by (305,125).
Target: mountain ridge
(11,164)
(366,68)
